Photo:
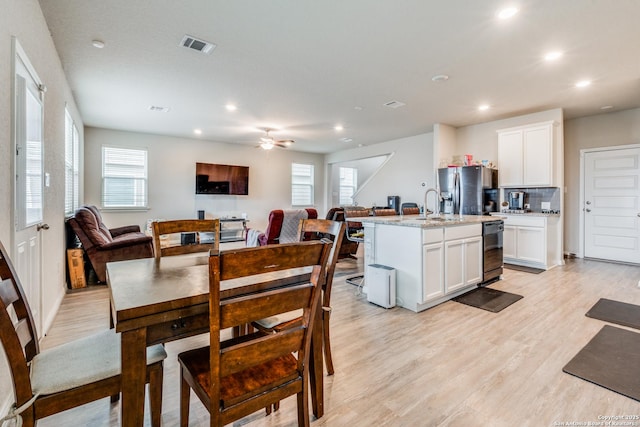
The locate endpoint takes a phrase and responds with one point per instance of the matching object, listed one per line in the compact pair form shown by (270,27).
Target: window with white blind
(124,178)
(348,185)
(301,184)
(71,164)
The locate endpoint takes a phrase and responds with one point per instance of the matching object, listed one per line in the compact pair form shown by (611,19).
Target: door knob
(588,210)
(588,202)
(42,227)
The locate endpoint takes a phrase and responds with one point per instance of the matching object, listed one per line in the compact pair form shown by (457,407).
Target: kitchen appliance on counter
(492,256)
(516,200)
(393,202)
(468,190)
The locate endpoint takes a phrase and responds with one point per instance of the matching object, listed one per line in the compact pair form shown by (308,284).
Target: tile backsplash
(535,196)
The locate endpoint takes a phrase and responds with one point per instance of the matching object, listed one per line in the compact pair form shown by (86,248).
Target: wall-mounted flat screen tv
(222,179)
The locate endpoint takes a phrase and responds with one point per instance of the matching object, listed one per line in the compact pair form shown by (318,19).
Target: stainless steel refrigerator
(468,190)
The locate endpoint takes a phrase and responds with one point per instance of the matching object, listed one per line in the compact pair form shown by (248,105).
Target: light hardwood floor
(451,365)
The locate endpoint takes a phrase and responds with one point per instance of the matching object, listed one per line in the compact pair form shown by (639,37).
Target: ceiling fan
(267,142)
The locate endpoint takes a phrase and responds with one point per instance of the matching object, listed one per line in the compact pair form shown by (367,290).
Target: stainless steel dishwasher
(492,260)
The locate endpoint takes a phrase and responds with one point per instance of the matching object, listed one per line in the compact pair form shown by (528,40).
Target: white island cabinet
(433,264)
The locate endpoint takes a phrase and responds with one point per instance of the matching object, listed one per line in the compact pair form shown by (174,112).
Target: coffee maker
(516,200)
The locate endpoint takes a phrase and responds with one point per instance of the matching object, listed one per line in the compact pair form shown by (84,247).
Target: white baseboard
(48,322)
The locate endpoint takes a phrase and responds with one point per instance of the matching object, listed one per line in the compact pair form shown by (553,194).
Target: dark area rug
(618,312)
(488,299)
(523,268)
(610,360)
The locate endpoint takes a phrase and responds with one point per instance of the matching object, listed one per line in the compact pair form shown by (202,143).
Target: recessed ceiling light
(346,139)
(357,108)
(440,78)
(483,107)
(230,107)
(338,128)
(606,107)
(97,43)
(197,131)
(507,13)
(583,83)
(552,56)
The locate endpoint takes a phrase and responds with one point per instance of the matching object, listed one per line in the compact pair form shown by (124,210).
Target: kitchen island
(435,258)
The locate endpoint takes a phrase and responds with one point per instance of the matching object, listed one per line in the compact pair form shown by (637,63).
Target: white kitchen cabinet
(525,156)
(509,242)
(531,241)
(432,271)
(462,257)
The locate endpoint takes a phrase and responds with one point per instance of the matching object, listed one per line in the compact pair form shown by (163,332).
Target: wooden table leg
(316,370)
(133,359)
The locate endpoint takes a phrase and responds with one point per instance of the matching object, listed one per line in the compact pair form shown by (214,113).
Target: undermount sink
(439,218)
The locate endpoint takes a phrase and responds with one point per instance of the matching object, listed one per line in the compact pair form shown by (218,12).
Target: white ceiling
(303,66)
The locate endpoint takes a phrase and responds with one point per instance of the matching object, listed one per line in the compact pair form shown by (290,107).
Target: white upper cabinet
(525,156)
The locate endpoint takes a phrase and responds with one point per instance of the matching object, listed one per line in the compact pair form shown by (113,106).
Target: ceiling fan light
(267,145)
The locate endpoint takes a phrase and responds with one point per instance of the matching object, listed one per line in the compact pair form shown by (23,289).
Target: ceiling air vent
(394,104)
(159,109)
(197,45)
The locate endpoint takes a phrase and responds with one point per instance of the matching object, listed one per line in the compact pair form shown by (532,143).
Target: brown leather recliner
(104,245)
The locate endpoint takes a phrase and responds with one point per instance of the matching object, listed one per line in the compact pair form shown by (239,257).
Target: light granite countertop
(499,214)
(431,221)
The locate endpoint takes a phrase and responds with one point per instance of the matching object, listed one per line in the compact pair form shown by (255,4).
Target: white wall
(172,164)
(602,130)
(24,20)
(410,165)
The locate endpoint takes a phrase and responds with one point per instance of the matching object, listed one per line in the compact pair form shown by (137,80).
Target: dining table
(156,301)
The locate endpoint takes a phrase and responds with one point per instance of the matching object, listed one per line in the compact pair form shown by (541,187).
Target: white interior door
(28,187)
(612,205)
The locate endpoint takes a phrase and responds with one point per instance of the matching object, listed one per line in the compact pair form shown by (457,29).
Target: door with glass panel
(28,98)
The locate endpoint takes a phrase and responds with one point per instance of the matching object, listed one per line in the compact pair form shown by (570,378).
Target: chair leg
(326,314)
(155,394)
(185,396)
(115,398)
(303,405)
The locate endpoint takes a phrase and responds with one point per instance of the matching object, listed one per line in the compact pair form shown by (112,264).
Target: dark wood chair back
(384,212)
(334,230)
(245,374)
(192,229)
(20,343)
(410,211)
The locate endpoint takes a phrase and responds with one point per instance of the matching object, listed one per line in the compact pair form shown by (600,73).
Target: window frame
(142,185)
(71,164)
(297,183)
(353,186)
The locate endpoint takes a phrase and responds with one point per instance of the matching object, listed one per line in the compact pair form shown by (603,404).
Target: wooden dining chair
(196,235)
(242,375)
(69,375)
(411,211)
(319,228)
(384,212)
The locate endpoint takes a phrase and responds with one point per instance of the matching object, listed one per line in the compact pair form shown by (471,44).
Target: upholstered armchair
(283,225)
(103,244)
